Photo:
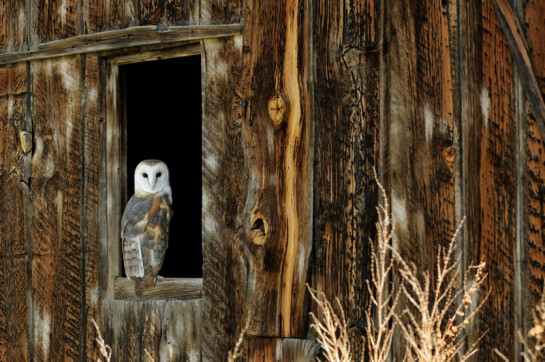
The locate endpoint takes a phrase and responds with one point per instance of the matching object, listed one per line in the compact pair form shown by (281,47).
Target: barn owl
(145,224)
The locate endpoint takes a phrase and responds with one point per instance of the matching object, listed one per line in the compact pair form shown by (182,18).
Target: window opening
(162,107)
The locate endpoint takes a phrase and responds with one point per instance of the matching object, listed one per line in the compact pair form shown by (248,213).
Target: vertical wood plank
(182,328)
(51,20)
(169,12)
(101,15)
(225,266)
(152,317)
(13,25)
(121,329)
(57,274)
(264,349)
(221,11)
(92,149)
(14,148)
(346,108)
(164,330)
(277,152)
(490,146)
(422,148)
(533,246)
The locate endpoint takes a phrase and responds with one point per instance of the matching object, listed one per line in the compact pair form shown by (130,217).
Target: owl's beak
(152,180)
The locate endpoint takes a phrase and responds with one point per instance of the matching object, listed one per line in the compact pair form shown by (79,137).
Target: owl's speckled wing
(144,233)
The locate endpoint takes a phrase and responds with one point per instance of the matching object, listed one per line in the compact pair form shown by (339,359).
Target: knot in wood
(258,232)
(449,154)
(277,110)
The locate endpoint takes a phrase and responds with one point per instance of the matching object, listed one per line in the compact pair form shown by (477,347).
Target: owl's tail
(141,284)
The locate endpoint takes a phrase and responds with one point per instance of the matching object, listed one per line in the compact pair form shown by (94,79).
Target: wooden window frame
(116,179)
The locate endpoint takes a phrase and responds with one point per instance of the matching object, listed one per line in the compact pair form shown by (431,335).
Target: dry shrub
(435,319)
(380,313)
(434,322)
(331,329)
(534,352)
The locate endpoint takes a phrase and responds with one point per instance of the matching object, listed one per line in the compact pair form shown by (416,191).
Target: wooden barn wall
(298,111)
(347,125)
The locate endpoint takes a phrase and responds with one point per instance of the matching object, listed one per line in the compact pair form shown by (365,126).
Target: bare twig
(237,352)
(105,350)
(331,329)
(380,313)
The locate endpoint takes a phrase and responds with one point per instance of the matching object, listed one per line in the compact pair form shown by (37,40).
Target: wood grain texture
(14,132)
(119,39)
(101,15)
(167,330)
(225,267)
(490,146)
(533,246)
(422,149)
(122,328)
(14,27)
(346,107)
(57,275)
(278,157)
(168,288)
(264,349)
(182,331)
(516,40)
(94,127)
(169,12)
(52,20)
(221,11)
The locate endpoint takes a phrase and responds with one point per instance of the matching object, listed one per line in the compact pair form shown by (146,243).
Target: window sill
(164,289)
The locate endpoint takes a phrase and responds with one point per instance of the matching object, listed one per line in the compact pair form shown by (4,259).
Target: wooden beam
(167,288)
(117,39)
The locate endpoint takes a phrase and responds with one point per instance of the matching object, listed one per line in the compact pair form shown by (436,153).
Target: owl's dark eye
(145,175)
(159,174)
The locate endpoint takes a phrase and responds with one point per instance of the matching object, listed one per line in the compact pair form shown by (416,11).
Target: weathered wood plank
(110,248)
(166,330)
(52,20)
(117,39)
(519,51)
(490,146)
(182,331)
(422,149)
(223,192)
(57,275)
(152,317)
(263,349)
(168,288)
(278,156)
(101,15)
(14,314)
(169,12)
(13,25)
(533,244)
(92,146)
(346,108)
(121,329)
(221,11)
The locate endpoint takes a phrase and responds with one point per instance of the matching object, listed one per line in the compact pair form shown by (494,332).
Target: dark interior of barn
(163,117)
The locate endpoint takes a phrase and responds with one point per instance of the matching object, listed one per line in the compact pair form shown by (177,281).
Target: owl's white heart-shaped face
(151,177)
